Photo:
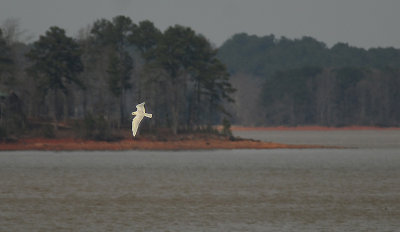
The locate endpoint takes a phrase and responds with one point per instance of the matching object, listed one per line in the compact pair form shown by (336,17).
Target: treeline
(263,56)
(332,97)
(93,81)
(303,82)
(100,76)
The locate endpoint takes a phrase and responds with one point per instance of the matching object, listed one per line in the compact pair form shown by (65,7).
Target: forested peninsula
(85,86)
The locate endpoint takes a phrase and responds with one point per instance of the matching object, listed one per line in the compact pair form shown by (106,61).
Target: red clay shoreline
(183,143)
(42,144)
(189,143)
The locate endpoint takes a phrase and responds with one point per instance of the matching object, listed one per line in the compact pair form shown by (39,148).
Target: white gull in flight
(140,113)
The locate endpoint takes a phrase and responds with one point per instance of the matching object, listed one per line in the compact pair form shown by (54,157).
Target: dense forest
(283,81)
(92,82)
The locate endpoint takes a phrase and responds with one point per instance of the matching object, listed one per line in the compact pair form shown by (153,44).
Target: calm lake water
(221,190)
(346,138)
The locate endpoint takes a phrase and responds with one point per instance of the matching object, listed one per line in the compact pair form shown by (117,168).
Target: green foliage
(226,127)
(6,63)
(146,37)
(348,77)
(332,97)
(263,56)
(116,34)
(174,51)
(55,65)
(119,70)
(12,117)
(48,131)
(56,60)
(185,81)
(96,128)
(287,94)
(3,133)
(349,85)
(193,83)
(89,125)
(184,75)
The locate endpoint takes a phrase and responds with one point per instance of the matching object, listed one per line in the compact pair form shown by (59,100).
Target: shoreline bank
(311,128)
(184,142)
(42,144)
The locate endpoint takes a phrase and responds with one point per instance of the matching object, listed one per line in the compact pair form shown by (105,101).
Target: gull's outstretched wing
(135,124)
(140,107)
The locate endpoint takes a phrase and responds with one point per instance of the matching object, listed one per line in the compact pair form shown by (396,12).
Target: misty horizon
(27,36)
(365,24)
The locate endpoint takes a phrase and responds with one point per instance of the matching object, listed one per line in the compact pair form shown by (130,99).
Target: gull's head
(134,113)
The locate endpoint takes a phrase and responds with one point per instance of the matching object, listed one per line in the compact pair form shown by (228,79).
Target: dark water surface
(222,190)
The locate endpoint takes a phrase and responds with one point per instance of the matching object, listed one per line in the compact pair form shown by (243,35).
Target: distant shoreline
(310,128)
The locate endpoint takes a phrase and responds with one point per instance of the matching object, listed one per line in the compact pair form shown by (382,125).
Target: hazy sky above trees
(362,23)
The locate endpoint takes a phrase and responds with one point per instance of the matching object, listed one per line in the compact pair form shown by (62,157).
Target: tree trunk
(121,107)
(55,102)
(175,113)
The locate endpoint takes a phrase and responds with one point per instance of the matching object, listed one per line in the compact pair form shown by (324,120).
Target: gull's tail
(148,115)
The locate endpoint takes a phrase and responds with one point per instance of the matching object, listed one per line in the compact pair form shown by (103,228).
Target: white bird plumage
(139,114)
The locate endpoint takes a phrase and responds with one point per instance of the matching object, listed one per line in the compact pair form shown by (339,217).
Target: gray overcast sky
(361,23)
